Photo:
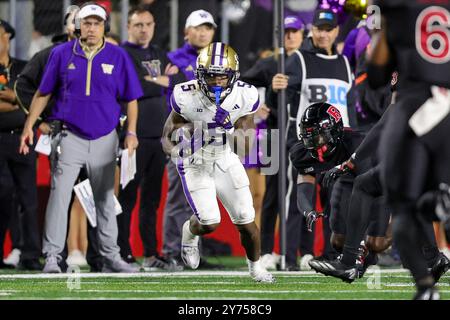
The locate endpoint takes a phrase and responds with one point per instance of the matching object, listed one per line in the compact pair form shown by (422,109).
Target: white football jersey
(189,102)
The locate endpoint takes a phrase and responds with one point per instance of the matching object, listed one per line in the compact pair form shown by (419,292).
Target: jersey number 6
(433,35)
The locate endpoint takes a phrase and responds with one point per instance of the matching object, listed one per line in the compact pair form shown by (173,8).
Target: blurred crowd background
(247,25)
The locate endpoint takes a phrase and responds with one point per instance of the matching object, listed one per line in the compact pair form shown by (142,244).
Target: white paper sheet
(127,168)
(83,191)
(44,144)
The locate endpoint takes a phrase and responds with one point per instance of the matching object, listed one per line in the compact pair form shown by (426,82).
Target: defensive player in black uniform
(414,149)
(323,144)
(367,212)
(315,73)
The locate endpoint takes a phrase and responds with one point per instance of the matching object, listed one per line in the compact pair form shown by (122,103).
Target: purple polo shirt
(88,92)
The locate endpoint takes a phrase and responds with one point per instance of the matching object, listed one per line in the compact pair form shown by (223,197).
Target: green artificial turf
(231,283)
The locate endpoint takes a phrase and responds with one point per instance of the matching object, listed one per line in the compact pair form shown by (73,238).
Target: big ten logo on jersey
(333,94)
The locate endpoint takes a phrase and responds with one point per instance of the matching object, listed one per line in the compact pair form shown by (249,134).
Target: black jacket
(30,77)
(13,119)
(260,75)
(152,108)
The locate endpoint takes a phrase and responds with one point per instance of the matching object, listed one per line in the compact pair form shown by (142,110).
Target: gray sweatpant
(99,158)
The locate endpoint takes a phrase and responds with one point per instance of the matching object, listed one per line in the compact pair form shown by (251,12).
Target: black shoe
(364,261)
(335,268)
(440,267)
(206,265)
(95,266)
(5,266)
(289,267)
(156,263)
(292,267)
(63,265)
(30,264)
(427,294)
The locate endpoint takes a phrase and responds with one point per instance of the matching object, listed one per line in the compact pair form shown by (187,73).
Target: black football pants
(411,166)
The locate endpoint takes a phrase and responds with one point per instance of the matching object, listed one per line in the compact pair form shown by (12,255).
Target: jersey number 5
(433,35)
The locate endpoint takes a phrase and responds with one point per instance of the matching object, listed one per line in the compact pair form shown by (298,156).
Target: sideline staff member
(87,76)
(17,172)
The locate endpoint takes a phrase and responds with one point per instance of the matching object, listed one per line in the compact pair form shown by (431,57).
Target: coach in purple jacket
(88,78)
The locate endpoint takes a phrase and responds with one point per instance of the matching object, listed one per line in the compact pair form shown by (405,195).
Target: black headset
(77,20)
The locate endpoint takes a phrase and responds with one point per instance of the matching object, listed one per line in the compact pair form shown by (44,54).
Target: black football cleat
(335,268)
(440,267)
(364,262)
(427,294)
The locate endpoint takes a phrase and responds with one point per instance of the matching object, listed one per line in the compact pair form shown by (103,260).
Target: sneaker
(118,266)
(29,264)
(259,273)
(51,264)
(269,261)
(292,267)
(190,256)
(176,264)
(96,266)
(288,267)
(304,262)
(76,258)
(13,258)
(129,259)
(440,267)
(157,263)
(427,294)
(189,247)
(335,268)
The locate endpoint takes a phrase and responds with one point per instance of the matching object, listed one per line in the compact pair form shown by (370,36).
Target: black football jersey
(303,161)
(419,36)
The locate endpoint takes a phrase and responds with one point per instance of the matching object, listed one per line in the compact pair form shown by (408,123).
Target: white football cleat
(190,256)
(259,273)
(189,247)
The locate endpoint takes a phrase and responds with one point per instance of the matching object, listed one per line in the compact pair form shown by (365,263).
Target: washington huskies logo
(334,112)
(107,68)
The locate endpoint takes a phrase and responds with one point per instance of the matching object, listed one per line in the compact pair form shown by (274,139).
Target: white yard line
(271,292)
(185,274)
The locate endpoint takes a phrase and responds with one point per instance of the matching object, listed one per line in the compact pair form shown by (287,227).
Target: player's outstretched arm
(305,199)
(173,122)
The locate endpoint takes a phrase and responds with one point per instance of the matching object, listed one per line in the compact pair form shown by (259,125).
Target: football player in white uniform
(208,115)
